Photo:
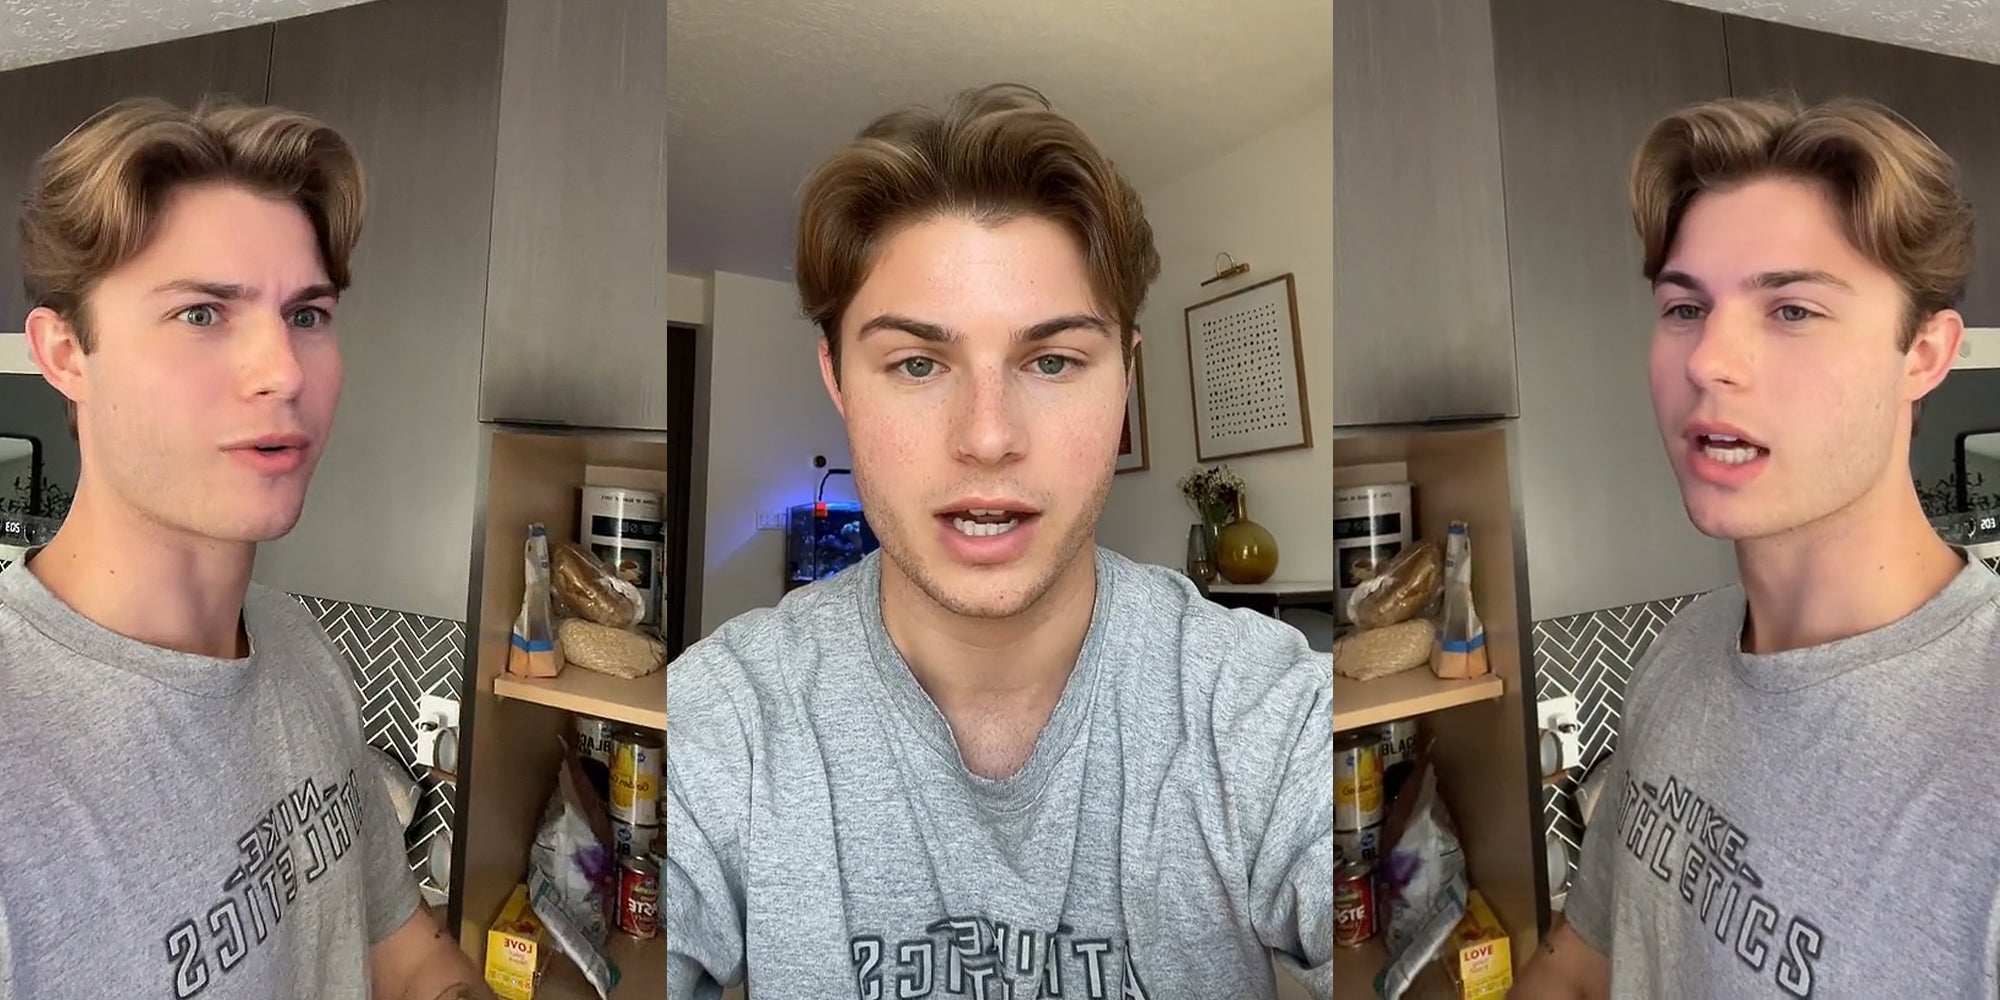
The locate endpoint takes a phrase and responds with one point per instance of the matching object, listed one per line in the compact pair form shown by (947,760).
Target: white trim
(1979,348)
(14,357)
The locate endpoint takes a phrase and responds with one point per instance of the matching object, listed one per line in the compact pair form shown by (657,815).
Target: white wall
(1268,203)
(768,416)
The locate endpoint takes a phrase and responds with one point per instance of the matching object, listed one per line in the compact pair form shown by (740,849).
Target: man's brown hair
(996,153)
(97,195)
(1895,191)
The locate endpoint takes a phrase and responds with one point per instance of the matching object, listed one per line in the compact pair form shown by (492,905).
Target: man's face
(206,398)
(1780,393)
(984,391)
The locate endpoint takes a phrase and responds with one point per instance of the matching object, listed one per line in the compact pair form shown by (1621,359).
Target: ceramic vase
(1245,551)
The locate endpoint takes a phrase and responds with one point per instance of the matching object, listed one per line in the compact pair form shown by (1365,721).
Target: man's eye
(917,367)
(1684,311)
(310,317)
(1054,364)
(1795,314)
(201,316)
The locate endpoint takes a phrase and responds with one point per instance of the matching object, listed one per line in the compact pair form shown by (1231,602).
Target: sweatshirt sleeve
(1285,736)
(391,886)
(708,770)
(1588,908)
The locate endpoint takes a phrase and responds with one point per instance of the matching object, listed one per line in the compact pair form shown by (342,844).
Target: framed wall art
(1133,455)
(1247,378)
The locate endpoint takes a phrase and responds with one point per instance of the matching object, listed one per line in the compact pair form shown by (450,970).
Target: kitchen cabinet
(41,104)
(1477,730)
(1580,83)
(413,85)
(508,724)
(1947,97)
(1422,327)
(576,311)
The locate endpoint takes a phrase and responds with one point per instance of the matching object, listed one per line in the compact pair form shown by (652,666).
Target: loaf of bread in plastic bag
(1405,590)
(589,590)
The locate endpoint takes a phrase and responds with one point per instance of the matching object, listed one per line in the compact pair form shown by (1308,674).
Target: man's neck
(148,582)
(972,664)
(1853,572)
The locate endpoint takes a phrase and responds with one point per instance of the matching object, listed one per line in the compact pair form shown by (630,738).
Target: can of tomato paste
(1354,919)
(638,897)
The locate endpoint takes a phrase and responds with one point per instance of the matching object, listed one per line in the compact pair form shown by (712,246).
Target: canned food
(635,778)
(1354,921)
(631,841)
(1398,740)
(1399,754)
(1357,780)
(594,738)
(1358,845)
(638,898)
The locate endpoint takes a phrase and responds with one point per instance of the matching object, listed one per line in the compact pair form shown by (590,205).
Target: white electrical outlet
(1561,734)
(770,520)
(435,715)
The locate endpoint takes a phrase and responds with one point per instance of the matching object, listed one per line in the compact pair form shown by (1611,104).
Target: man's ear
(830,375)
(1932,352)
(57,347)
(1132,367)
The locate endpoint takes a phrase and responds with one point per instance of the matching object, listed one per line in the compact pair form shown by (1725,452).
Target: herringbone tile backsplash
(1590,656)
(397,658)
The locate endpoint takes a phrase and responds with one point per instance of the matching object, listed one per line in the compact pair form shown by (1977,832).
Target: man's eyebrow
(1779,279)
(938,333)
(914,327)
(213,289)
(228,292)
(324,290)
(1062,324)
(1763,281)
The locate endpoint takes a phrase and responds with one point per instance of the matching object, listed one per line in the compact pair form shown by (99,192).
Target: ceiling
(1967,28)
(39,31)
(759,91)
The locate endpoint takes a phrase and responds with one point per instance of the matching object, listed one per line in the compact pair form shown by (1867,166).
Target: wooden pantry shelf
(641,702)
(642,972)
(1354,971)
(1399,696)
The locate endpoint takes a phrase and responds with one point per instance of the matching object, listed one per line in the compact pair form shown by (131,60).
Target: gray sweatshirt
(176,826)
(1813,823)
(1170,836)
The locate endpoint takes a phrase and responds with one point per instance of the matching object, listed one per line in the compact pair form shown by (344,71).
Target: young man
(993,760)
(1807,757)
(189,810)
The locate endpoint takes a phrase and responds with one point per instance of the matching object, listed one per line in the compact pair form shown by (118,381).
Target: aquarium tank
(822,539)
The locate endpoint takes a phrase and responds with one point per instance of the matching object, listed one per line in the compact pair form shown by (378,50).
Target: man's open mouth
(1729,450)
(985,522)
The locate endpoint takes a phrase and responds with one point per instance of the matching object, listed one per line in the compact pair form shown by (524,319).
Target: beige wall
(1268,203)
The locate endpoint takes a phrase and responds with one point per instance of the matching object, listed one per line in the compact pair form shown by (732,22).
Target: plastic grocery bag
(1422,878)
(572,875)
